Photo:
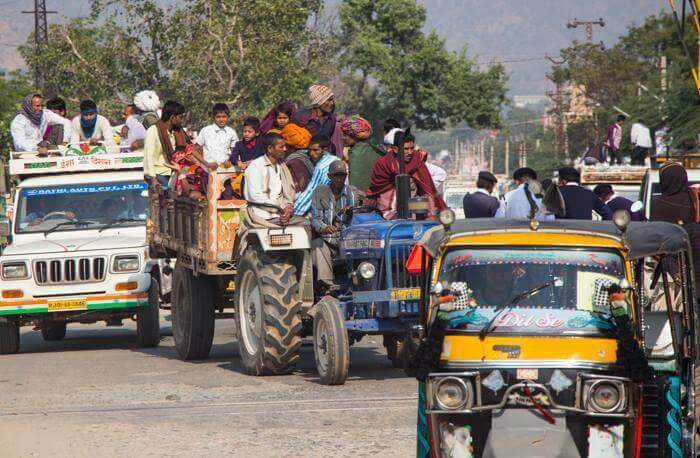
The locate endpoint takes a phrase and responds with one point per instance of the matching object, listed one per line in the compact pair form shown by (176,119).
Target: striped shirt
(319,177)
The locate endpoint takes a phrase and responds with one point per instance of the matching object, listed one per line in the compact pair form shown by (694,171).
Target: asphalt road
(97,393)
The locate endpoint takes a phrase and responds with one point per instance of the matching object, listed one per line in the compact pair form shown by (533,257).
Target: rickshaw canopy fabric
(641,238)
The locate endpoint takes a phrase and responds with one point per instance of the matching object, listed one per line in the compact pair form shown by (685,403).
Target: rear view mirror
(637,207)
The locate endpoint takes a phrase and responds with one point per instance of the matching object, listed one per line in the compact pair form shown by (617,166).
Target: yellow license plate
(73,304)
(527,374)
(407,294)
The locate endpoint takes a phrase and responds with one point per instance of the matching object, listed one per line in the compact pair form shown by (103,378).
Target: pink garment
(614,139)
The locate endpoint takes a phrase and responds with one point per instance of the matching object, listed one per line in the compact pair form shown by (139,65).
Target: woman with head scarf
(92,127)
(279,116)
(362,154)
(30,124)
(676,204)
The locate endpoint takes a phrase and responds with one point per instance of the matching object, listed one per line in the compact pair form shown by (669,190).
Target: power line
(41,35)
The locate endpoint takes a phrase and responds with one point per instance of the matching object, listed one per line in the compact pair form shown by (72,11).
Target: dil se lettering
(516,320)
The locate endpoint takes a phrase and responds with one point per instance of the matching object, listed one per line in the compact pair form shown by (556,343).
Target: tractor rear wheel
(192,314)
(268,321)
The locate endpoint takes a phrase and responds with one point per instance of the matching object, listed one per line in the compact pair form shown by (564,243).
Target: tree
(249,53)
(13,89)
(393,69)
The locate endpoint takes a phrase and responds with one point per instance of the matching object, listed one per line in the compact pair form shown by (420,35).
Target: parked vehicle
(78,250)
(555,334)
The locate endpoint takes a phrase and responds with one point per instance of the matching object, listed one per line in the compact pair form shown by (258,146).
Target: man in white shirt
(269,181)
(522,203)
(640,138)
(217,139)
(92,127)
(30,123)
(133,133)
(438,174)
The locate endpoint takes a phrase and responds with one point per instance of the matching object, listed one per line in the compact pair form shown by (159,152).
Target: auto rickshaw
(553,339)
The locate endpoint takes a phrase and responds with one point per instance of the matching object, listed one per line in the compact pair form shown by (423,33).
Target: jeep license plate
(406,294)
(72,304)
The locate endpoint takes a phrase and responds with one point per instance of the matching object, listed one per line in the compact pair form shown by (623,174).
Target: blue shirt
(319,177)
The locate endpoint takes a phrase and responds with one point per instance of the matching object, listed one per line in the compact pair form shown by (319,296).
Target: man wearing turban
(319,117)
(362,154)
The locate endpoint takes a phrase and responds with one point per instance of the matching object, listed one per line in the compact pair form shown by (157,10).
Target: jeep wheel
(53,330)
(9,336)
(192,314)
(267,313)
(331,348)
(148,319)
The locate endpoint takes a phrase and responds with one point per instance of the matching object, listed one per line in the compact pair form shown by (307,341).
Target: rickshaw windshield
(569,289)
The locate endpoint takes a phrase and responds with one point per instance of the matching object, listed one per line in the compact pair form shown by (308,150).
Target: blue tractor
(378,296)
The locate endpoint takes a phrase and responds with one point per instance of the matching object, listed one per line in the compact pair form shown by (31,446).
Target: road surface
(98,394)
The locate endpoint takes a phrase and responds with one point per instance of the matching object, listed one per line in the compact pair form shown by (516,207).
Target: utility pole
(559,111)
(507,160)
(588,25)
(41,37)
(491,159)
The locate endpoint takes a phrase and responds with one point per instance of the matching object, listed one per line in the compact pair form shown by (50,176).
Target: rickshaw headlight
(606,396)
(452,393)
(367,270)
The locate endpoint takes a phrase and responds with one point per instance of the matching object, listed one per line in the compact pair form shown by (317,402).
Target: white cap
(389,139)
(147,101)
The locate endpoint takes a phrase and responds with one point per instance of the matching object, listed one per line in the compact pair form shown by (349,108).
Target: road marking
(192,406)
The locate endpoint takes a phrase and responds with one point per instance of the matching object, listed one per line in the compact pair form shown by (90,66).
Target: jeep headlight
(129,263)
(14,270)
(453,393)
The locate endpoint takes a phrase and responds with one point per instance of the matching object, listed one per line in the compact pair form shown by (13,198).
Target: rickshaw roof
(641,238)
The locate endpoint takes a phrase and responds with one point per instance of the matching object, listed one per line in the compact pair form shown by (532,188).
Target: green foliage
(13,88)
(393,69)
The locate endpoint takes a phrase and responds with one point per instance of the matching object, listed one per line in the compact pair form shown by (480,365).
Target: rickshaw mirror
(637,206)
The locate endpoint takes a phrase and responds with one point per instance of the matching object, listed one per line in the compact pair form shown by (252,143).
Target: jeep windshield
(575,300)
(81,206)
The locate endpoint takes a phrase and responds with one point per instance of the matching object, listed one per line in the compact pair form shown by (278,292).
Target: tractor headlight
(447,217)
(606,396)
(453,393)
(367,270)
(129,263)
(15,270)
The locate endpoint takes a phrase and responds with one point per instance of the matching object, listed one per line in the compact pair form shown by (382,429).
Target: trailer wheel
(331,348)
(9,336)
(55,330)
(391,344)
(192,314)
(268,323)
(148,318)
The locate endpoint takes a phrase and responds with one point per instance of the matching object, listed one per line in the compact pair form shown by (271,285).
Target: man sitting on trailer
(30,124)
(91,127)
(268,181)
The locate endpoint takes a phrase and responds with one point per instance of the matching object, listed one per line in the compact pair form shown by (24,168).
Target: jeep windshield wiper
(519,297)
(66,223)
(117,221)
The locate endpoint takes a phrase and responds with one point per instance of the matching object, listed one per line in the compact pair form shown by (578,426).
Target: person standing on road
(521,202)
(640,137)
(579,202)
(481,203)
(29,126)
(92,127)
(614,140)
(330,207)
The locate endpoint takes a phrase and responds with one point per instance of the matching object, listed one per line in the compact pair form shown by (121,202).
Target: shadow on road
(80,340)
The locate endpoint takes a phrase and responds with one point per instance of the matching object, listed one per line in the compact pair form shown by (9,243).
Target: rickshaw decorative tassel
(424,448)
(545,413)
(673,417)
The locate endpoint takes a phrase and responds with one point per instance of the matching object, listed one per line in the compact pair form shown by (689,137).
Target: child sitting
(244,151)
(216,140)
(191,178)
